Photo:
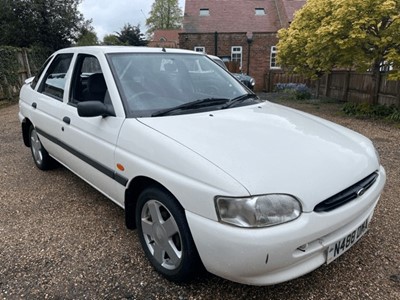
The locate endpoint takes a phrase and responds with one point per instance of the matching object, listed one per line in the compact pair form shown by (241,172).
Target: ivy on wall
(9,68)
(17,64)
(37,56)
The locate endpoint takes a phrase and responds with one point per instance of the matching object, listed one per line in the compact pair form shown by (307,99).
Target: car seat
(96,88)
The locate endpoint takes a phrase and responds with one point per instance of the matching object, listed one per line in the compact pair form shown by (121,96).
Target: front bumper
(271,255)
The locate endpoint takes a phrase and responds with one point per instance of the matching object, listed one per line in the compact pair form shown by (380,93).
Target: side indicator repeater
(120,167)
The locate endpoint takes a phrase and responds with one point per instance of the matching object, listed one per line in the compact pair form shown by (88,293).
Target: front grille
(346,195)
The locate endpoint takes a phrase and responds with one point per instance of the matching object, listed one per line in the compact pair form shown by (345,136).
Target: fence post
(26,63)
(346,86)
(318,87)
(398,93)
(376,79)
(327,84)
(268,81)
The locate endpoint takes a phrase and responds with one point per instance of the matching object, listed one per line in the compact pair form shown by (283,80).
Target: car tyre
(165,235)
(40,156)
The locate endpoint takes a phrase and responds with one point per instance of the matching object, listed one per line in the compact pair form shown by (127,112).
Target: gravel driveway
(61,239)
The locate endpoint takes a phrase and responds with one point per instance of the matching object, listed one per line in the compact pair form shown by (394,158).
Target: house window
(200,49)
(274,54)
(204,12)
(236,55)
(260,11)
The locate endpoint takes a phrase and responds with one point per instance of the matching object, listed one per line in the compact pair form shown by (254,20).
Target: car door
(47,103)
(91,141)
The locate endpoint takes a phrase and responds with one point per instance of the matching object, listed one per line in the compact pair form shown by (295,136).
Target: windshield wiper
(191,105)
(239,99)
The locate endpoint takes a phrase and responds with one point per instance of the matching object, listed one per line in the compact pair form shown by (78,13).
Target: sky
(110,16)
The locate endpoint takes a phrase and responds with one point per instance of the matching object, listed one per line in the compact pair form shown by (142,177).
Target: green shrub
(395,116)
(367,110)
(298,91)
(9,68)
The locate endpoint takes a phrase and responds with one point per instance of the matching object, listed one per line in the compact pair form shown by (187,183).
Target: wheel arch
(135,188)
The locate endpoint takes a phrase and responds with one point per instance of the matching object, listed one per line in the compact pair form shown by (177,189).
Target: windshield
(150,83)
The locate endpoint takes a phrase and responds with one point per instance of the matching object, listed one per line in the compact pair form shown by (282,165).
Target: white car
(210,175)
(243,78)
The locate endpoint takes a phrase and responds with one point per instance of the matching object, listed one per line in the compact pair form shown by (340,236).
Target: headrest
(96,83)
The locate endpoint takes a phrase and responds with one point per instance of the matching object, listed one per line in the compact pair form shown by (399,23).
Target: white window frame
(201,49)
(272,62)
(237,54)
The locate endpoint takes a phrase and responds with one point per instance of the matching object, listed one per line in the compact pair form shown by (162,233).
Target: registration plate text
(341,246)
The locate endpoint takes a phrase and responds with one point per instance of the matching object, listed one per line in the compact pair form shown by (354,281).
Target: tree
(50,23)
(164,14)
(355,34)
(87,36)
(131,35)
(111,39)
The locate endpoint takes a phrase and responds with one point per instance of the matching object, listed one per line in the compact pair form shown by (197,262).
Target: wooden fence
(24,72)
(344,86)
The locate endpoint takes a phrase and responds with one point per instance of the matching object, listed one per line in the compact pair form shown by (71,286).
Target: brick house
(168,38)
(242,32)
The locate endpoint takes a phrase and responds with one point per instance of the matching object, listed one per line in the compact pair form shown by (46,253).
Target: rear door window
(39,73)
(53,83)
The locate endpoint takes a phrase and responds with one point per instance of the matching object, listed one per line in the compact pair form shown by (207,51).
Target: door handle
(34,105)
(67,120)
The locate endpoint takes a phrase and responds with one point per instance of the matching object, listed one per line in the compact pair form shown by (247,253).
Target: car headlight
(258,211)
(252,81)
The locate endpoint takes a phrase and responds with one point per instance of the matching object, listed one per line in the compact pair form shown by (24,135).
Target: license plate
(341,246)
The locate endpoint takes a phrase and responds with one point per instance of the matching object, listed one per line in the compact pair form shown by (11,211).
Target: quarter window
(273,61)
(236,55)
(53,83)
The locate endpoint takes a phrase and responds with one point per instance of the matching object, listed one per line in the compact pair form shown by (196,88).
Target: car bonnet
(273,149)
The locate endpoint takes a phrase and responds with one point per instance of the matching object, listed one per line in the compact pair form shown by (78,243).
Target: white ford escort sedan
(209,174)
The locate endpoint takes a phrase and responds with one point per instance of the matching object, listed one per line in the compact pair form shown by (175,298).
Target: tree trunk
(376,77)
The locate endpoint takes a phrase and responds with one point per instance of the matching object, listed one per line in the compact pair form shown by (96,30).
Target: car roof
(214,57)
(123,49)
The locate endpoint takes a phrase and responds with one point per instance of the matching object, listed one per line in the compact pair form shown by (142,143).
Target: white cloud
(110,16)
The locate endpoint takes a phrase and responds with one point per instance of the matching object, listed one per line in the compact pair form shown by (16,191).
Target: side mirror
(94,109)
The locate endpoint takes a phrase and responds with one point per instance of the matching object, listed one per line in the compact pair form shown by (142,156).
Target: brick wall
(260,50)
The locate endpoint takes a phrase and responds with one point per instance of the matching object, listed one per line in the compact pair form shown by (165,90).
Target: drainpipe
(216,43)
(249,41)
